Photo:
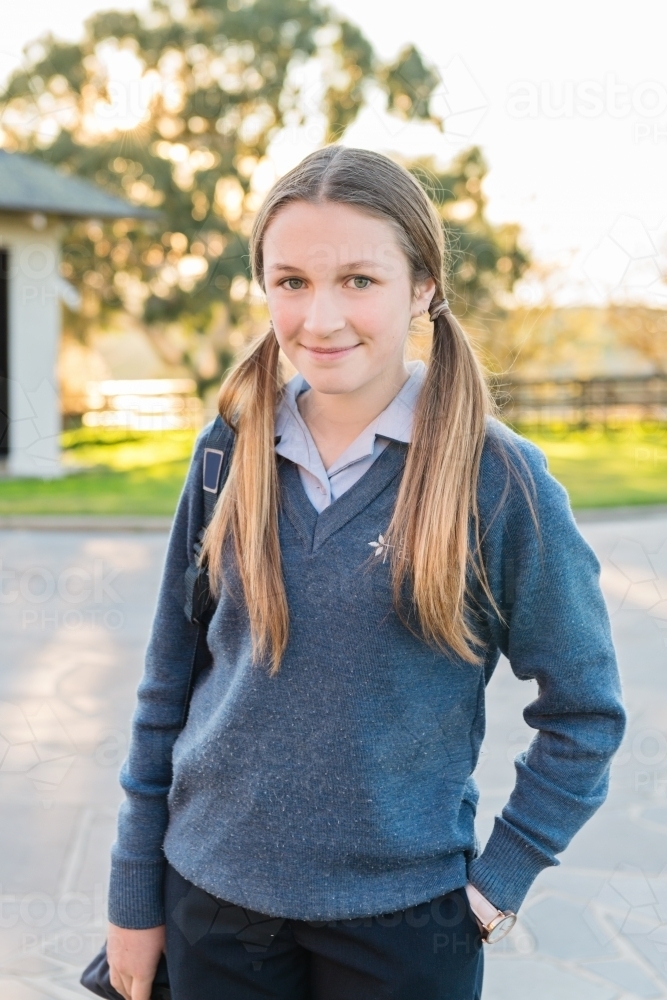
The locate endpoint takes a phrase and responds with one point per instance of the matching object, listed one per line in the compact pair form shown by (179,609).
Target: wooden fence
(582,401)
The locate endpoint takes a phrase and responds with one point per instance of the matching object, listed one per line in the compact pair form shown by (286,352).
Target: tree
(175,110)
(484,261)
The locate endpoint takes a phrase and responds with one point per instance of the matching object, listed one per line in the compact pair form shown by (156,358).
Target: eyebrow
(352,265)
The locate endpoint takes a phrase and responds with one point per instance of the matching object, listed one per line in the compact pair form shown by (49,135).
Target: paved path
(75,609)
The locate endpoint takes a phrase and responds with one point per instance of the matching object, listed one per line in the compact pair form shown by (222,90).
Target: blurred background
(137,140)
(542,139)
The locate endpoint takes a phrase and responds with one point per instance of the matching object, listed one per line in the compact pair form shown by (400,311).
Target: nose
(323,316)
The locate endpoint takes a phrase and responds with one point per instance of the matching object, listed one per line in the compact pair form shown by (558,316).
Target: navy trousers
(219,951)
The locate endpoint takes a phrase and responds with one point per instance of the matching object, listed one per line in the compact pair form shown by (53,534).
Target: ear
(423,294)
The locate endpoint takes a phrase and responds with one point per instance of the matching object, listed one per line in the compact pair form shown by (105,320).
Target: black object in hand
(96,978)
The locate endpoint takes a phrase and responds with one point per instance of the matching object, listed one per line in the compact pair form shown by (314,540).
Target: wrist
(494,924)
(480,906)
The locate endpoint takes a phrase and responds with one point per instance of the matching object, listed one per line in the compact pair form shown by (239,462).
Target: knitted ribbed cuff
(507,867)
(136,897)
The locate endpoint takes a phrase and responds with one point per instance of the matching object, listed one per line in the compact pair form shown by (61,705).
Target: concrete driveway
(75,610)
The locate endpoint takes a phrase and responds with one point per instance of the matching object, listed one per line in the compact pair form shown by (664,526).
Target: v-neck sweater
(343,785)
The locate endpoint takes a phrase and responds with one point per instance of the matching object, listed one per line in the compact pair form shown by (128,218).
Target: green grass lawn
(607,467)
(114,472)
(109,472)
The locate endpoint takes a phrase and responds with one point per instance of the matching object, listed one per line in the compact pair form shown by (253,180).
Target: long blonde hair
(436,503)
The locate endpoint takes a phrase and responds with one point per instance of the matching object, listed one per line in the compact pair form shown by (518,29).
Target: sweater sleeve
(137,858)
(556,631)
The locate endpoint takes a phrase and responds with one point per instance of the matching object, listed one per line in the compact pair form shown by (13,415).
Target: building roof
(28,185)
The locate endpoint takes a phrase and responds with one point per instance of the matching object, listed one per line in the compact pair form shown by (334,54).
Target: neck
(336,419)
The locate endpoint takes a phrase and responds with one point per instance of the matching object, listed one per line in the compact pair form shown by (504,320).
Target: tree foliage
(175,110)
(485,260)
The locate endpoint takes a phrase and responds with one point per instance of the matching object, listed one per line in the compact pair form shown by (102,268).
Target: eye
(287,280)
(360,277)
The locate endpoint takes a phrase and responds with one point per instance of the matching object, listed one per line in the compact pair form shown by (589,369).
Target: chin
(333,382)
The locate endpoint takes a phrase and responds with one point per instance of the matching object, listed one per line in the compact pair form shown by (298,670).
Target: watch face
(503,927)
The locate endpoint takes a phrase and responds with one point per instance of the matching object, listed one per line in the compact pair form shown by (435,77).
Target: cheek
(382,323)
(286,315)
(380,313)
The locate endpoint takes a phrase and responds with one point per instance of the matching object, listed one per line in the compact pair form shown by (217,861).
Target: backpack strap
(217,453)
(199,604)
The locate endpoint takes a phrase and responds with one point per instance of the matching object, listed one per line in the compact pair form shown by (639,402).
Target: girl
(380,540)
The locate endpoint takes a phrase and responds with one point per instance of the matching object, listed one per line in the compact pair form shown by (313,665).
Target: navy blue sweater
(343,785)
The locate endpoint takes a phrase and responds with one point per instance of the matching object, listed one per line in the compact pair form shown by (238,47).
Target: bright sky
(568,102)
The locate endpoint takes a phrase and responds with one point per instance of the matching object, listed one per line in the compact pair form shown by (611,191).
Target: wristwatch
(493,923)
(498,927)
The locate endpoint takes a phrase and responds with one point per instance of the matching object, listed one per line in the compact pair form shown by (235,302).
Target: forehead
(329,235)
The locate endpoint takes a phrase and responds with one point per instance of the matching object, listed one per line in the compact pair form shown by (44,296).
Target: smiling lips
(330,351)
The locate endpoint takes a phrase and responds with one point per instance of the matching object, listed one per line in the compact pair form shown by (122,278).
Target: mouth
(329,352)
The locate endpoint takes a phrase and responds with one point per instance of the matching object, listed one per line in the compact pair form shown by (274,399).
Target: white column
(34,335)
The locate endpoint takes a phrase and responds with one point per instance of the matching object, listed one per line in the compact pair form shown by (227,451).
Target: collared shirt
(295,442)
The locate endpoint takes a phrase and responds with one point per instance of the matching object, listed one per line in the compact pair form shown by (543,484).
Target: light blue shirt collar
(393,423)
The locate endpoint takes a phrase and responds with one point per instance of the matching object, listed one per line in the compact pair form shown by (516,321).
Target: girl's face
(340,296)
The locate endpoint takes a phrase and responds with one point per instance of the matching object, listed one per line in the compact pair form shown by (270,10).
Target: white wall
(34,332)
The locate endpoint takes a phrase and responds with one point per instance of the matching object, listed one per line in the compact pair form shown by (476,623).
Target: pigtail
(429,530)
(248,504)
